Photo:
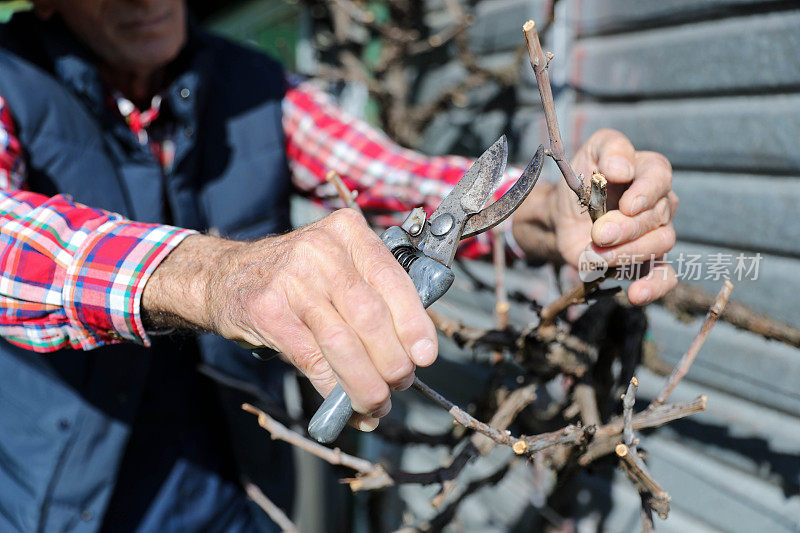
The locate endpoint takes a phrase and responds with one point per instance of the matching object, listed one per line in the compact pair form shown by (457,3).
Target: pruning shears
(425,247)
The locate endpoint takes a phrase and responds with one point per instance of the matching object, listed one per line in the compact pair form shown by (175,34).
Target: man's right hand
(330,297)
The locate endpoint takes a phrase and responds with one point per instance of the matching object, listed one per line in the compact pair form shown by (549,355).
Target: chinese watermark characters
(688,266)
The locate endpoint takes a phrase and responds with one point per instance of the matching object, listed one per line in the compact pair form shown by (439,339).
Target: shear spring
(405,255)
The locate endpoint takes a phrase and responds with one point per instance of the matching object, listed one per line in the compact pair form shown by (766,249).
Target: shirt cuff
(102,292)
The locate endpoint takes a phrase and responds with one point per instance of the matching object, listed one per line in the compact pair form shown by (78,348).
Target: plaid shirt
(73,276)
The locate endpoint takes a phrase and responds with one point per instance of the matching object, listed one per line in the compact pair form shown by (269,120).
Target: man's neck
(138,87)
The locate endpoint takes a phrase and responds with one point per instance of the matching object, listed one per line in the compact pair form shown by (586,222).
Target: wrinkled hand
(638,222)
(332,299)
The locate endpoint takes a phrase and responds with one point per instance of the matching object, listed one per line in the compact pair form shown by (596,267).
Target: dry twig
(597,196)
(540,62)
(463,417)
(653,496)
(501,305)
(628,401)
(585,399)
(575,295)
(594,198)
(506,412)
(689,356)
(347,196)
(371,473)
(607,436)
(273,511)
(574,435)
(657,498)
(691,300)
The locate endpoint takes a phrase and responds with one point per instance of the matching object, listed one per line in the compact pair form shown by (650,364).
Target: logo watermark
(591,266)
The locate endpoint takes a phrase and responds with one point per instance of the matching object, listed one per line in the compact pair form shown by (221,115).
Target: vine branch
(540,64)
(653,496)
(691,300)
(689,356)
(273,511)
(347,196)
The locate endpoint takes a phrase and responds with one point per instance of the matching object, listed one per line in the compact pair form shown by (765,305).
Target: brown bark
(691,300)
(540,62)
(689,356)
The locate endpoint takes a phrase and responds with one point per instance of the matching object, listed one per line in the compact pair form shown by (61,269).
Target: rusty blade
(475,187)
(509,202)
(491,167)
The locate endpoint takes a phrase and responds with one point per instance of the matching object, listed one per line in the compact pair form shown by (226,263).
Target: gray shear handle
(431,279)
(331,417)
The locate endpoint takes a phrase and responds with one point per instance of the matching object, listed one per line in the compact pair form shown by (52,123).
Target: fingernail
(367,424)
(609,233)
(618,167)
(639,204)
(423,352)
(406,383)
(381,411)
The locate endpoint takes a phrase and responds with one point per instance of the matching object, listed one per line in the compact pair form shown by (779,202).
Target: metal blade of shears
(479,182)
(469,195)
(509,202)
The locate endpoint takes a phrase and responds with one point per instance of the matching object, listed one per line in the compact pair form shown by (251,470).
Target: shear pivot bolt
(442,224)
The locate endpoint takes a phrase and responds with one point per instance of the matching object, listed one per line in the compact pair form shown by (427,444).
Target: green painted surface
(7,9)
(270,25)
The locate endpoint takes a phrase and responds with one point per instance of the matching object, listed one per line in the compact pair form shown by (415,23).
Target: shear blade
(490,167)
(509,202)
(440,241)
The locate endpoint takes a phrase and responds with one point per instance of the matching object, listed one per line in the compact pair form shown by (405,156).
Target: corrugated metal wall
(715,86)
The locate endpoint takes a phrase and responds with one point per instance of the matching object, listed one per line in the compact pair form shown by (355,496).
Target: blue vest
(123,428)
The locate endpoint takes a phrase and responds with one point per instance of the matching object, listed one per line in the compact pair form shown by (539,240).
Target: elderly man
(128,138)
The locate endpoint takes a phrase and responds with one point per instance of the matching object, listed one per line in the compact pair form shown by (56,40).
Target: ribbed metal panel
(714,85)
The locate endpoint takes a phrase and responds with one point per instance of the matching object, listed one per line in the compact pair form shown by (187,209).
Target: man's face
(128,35)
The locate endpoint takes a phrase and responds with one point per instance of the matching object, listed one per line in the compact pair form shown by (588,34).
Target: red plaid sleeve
(389,179)
(12,164)
(70,275)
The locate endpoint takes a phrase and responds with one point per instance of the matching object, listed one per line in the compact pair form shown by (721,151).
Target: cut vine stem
(597,195)
(540,64)
(347,196)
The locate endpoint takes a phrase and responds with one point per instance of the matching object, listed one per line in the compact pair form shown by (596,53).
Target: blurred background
(712,84)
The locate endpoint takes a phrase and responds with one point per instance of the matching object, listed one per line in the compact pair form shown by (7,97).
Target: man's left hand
(552,225)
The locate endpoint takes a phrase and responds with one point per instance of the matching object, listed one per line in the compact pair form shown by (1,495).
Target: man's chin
(150,56)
